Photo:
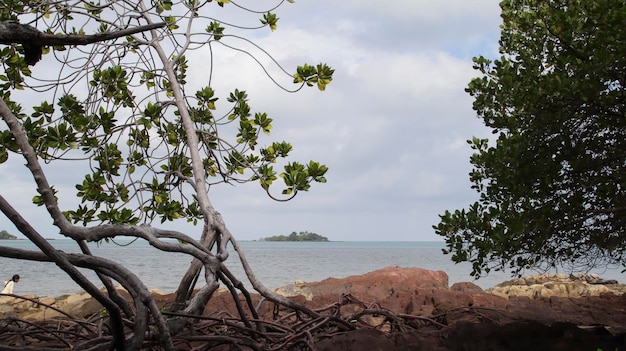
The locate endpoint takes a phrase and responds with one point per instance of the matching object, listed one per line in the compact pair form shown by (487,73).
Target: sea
(275,264)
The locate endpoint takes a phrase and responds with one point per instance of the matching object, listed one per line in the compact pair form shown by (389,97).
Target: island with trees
(302,236)
(550,183)
(4,235)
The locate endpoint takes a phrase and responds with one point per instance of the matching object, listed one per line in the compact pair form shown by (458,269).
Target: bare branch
(33,40)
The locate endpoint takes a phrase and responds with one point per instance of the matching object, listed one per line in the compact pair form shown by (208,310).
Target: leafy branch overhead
(321,75)
(108,193)
(145,146)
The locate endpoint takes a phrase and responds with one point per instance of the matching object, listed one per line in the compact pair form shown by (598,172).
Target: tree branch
(33,40)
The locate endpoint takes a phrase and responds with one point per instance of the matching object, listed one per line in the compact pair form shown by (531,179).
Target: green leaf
(549,191)
(271,20)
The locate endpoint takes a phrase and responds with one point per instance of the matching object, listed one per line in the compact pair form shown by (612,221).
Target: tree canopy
(145,146)
(552,185)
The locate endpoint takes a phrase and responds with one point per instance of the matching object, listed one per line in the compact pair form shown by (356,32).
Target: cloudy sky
(392,127)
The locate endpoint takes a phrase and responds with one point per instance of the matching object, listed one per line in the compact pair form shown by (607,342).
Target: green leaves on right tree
(552,185)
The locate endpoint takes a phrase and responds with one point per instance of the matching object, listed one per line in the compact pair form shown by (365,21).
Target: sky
(391,127)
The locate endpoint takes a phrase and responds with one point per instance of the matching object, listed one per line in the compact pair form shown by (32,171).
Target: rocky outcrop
(517,336)
(13,306)
(557,285)
(549,299)
(377,284)
(41,308)
(548,312)
(568,313)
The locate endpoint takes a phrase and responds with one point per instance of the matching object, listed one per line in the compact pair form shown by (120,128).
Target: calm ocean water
(275,263)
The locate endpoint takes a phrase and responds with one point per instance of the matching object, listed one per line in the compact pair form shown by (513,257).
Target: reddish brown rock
(592,310)
(378,284)
(466,287)
(527,335)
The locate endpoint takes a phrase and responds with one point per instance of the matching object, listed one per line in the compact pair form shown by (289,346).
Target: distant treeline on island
(302,236)
(4,235)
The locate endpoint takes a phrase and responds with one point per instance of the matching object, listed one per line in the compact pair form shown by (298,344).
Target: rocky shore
(552,312)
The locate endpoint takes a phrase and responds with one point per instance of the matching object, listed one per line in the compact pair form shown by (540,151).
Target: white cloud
(423,10)
(391,127)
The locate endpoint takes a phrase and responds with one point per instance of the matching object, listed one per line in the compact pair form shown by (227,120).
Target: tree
(552,185)
(116,102)
(4,235)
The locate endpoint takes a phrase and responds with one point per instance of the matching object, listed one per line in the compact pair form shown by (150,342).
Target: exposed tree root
(281,328)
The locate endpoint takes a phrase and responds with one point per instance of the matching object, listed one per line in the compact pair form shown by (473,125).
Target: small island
(302,236)
(4,235)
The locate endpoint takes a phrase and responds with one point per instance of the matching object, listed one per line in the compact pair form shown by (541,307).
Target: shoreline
(536,285)
(275,264)
(534,281)
(461,316)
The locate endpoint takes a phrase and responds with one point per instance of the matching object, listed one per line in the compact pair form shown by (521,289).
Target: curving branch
(138,291)
(123,80)
(61,259)
(51,254)
(33,40)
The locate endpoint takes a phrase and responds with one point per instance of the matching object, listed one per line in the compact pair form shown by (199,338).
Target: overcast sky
(392,126)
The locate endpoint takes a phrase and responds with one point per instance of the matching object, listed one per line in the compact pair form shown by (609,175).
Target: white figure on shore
(8,285)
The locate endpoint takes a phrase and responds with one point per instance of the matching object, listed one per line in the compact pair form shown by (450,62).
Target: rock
(559,285)
(466,287)
(518,336)
(32,307)
(357,340)
(77,305)
(544,299)
(592,279)
(15,306)
(373,285)
(7,309)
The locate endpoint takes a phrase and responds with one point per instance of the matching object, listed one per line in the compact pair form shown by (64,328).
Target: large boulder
(402,290)
(607,310)
(374,285)
(76,305)
(16,306)
(581,300)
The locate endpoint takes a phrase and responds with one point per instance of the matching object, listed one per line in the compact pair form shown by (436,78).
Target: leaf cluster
(552,183)
(128,130)
(321,75)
